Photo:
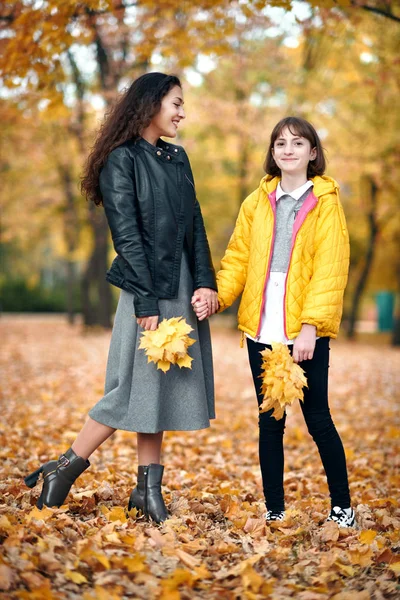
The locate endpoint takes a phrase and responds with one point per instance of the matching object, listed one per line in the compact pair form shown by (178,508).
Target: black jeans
(319,423)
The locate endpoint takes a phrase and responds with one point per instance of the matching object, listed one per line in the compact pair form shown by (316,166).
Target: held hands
(205,303)
(148,323)
(304,344)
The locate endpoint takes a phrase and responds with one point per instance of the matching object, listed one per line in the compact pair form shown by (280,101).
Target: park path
(216,545)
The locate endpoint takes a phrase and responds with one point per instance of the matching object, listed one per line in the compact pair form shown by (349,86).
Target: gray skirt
(138,396)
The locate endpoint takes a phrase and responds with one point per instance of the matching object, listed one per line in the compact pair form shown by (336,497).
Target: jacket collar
(322,185)
(295,194)
(168,147)
(163,150)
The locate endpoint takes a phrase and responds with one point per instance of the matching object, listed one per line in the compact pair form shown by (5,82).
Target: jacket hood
(322,184)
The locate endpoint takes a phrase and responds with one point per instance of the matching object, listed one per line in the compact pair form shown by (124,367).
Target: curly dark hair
(129,116)
(303,128)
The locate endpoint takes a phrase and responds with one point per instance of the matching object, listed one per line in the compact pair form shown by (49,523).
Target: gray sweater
(286,212)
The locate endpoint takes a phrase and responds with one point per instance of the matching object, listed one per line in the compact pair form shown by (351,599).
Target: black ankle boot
(58,477)
(146,496)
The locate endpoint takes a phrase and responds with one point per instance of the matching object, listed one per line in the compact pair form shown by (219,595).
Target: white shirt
(272,318)
(296,194)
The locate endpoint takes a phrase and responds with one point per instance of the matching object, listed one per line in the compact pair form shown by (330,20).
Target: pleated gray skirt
(138,396)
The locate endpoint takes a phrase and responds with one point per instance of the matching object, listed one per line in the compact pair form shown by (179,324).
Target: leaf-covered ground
(216,545)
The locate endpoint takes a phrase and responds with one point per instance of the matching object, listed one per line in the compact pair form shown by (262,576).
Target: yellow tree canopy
(36,34)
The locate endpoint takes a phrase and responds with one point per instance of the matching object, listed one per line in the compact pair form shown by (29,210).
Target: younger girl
(289,255)
(147,189)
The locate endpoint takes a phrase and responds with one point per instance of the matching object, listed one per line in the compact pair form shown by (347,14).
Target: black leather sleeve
(204,275)
(120,203)
(204,269)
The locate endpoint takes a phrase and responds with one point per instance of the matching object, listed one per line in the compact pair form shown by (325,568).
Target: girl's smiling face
(166,121)
(292,153)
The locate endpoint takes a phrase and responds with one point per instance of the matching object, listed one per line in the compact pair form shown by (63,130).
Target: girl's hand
(304,344)
(148,323)
(206,295)
(201,309)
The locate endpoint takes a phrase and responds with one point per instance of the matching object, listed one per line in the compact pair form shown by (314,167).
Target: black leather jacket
(151,207)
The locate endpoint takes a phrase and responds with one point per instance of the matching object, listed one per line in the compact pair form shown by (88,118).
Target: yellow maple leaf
(40,514)
(159,338)
(134,564)
(367,536)
(186,361)
(157,354)
(163,365)
(168,344)
(176,346)
(181,326)
(75,576)
(283,380)
(395,567)
(117,513)
(279,411)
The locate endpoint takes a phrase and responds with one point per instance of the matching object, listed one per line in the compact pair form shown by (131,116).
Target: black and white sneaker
(271,515)
(344,517)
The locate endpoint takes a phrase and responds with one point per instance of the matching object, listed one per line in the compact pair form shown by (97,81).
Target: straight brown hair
(302,128)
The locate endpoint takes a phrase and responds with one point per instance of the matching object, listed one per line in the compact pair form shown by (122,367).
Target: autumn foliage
(168,344)
(282,380)
(216,545)
(62,65)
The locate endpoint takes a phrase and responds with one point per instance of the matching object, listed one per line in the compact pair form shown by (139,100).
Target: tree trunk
(71,280)
(243,169)
(363,279)
(96,292)
(396,332)
(70,235)
(396,325)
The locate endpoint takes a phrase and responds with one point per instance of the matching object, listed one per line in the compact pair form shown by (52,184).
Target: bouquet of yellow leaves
(283,380)
(168,344)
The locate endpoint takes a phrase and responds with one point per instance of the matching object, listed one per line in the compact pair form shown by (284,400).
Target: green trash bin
(385,305)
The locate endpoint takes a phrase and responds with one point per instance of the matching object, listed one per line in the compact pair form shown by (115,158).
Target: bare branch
(376,10)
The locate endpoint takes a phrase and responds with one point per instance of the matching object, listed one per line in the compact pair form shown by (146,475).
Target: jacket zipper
(145,473)
(181,221)
(284,296)
(267,273)
(191,182)
(290,260)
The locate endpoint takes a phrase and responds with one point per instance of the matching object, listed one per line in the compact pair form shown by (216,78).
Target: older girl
(147,189)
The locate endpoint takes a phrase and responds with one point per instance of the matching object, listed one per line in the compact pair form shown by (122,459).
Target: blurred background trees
(244,65)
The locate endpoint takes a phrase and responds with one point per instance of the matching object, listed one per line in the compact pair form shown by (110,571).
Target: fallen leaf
(329,532)
(117,513)
(40,515)
(367,536)
(251,579)
(6,577)
(395,567)
(362,555)
(134,564)
(216,544)
(187,559)
(352,595)
(75,576)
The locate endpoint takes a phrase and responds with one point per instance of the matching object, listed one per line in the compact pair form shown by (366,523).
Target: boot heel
(32,479)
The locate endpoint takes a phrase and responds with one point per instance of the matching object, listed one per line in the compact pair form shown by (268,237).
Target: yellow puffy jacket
(318,266)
